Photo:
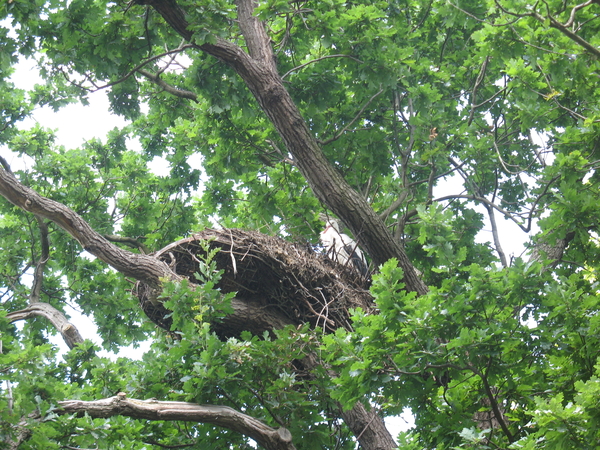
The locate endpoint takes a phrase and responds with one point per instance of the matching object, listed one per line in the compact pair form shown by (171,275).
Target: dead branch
(68,331)
(222,416)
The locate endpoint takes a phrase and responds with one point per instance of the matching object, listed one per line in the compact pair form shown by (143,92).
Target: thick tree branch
(222,416)
(258,71)
(68,331)
(368,426)
(141,267)
(136,68)
(255,35)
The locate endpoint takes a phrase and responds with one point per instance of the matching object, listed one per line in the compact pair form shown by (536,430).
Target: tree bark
(551,253)
(368,427)
(258,70)
(141,267)
(223,416)
(68,331)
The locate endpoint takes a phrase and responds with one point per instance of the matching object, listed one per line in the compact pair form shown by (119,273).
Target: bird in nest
(342,248)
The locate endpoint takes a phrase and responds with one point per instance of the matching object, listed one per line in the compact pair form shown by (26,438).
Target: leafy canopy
(448,116)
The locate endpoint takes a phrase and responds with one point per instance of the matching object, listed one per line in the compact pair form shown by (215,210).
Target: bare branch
(574,10)
(68,331)
(505,165)
(402,197)
(141,267)
(478,81)
(223,416)
(343,130)
(156,79)
(312,61)
(142,64)
(495,235)
(486,203)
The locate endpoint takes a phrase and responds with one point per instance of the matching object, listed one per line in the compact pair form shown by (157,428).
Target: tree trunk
(257,69)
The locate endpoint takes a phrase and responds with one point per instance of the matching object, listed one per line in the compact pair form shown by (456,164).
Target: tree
(365,110)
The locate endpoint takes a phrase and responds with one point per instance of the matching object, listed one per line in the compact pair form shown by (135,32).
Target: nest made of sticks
(285,278)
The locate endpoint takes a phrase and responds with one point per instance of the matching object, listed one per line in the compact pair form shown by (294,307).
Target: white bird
(341,248)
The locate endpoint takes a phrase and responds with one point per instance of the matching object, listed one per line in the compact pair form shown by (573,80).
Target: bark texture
(369,428)
(68,331)
(258,70)
(223,416)
(140,267)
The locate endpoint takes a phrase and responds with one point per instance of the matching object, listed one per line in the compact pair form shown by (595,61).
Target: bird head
(330,222)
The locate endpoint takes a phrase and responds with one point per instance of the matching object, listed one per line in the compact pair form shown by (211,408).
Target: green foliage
(428,109)
(195,306)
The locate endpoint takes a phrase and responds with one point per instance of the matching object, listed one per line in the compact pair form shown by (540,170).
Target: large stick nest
(277,282)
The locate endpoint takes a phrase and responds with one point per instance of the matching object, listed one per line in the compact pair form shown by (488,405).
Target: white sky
(73,124)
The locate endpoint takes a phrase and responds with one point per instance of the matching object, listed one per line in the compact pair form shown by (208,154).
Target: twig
(142,64)
(301,66)
(478,81)
(131,242)
(343,130)
(155,78)
(497,243)
(233,263)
